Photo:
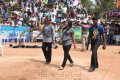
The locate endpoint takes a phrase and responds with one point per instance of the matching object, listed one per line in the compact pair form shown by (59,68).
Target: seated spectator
(20,23)
(40,26)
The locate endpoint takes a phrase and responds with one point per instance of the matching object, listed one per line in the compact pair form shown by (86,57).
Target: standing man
(95,33)
(85,26)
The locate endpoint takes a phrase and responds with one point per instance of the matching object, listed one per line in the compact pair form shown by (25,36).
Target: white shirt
(17,12)
(27,8)
(53,19)
(33,19)
(12,3)
(35,9)
(13,23)
(55,12)
(65,10)
(19,23)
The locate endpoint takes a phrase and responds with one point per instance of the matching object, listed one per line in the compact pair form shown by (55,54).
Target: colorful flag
(76,2)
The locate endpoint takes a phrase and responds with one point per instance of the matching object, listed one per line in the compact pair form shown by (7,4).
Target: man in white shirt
(53,18)
(20,22)
(64,9)
(29,8)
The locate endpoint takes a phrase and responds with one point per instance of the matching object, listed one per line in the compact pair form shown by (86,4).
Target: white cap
(85,20)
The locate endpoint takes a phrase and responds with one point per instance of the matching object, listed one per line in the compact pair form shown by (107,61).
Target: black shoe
(91,69)
(97,67)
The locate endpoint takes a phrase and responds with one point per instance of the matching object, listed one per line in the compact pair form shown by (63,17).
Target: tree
(88,4)
(103,6)
(7,0)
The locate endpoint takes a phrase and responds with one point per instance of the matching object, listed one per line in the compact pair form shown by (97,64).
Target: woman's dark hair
(69,25)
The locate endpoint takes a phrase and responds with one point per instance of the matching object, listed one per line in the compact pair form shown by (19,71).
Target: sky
(93,1)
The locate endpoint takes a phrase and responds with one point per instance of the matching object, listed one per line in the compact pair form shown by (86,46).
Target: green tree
(88,4)
(103,6)
(7,0)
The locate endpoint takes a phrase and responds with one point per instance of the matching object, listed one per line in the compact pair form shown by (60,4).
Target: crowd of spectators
(33,12)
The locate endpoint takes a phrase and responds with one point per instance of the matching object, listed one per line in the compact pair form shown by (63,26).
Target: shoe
(47,62)
(91,69)
(71,64)
(61,68)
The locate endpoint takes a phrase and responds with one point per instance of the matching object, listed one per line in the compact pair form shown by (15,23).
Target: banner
(77,34)
(12,32)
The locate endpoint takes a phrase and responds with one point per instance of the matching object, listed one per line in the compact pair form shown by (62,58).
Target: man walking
(95,33)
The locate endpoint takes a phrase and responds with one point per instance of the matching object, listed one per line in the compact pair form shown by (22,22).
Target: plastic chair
(24,37)
(21,36)
(5,37)
(17,36)
(117,39)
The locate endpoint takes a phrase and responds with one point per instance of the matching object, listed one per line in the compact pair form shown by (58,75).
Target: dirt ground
(28,64)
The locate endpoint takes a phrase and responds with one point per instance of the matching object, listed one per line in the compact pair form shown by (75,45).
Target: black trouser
(46,48)
(94,59)
(66,55)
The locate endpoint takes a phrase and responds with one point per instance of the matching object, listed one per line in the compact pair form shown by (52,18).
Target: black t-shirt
(29,13)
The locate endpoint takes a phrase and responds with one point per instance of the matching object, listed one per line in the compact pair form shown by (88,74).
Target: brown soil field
(29,64)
